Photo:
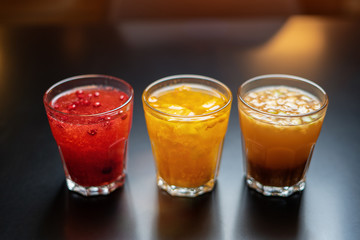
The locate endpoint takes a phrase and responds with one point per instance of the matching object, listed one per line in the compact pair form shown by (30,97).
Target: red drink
(91,125)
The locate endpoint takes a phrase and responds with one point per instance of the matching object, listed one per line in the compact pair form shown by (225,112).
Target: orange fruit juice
(280,126)
(187,125)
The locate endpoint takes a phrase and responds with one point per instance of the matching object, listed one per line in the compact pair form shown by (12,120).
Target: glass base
(95,190)
(275,191)
(183,191)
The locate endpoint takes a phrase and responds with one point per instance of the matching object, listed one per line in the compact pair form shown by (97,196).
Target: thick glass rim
(48,105)
(189,76)
(284,76)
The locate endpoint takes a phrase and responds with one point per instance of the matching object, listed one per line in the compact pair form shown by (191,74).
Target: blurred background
(113,11)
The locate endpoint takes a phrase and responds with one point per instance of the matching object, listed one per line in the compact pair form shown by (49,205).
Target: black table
(34,201)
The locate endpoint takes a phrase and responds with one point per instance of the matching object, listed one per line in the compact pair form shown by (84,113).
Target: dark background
(43,42)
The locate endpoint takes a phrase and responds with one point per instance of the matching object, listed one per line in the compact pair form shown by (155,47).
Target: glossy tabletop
(34,201)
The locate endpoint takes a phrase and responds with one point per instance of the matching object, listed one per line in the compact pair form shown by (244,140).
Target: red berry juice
(91,131)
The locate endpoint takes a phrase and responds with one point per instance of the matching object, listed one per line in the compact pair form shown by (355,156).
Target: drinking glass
(187,147)
(277,147)
(93,145)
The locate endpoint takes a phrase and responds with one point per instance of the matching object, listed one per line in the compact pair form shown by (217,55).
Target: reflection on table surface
(72,216)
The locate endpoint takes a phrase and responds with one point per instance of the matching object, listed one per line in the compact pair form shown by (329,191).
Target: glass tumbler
(186,118)
(278,144)
(90,117)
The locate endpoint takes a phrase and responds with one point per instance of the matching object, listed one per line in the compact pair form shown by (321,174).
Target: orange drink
(186,118)
(280,119)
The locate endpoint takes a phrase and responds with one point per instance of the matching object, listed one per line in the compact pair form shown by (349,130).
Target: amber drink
(280,119)
(186,118)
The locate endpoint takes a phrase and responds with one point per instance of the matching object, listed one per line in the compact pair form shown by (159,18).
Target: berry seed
(124,116)
(107,170)
(71,107)
(79,92)
(97,104)
(92,132)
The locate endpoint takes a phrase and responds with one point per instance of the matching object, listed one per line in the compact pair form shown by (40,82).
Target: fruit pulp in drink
(91,132)
(186,131)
